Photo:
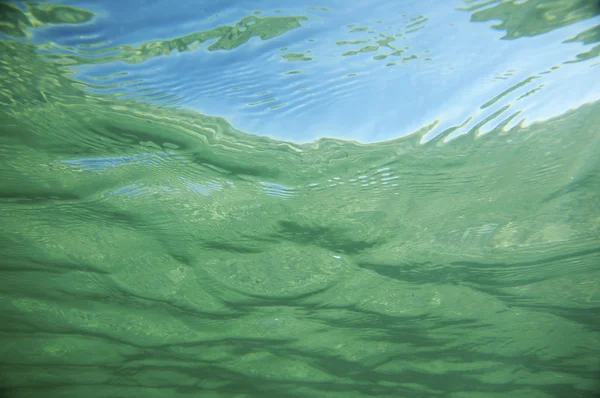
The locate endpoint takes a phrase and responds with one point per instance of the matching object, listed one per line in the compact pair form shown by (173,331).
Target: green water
(397,269)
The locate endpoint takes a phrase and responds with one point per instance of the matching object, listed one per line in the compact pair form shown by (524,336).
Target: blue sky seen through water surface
(446,68)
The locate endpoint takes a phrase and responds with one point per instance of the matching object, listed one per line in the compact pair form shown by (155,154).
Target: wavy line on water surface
(278,190)
(102,164)
(214,79)
(227,37)
(133,190)
(304,101)
(152,86)
(195,84)
(328,90)
(205,189)
(184,93)
(487,117)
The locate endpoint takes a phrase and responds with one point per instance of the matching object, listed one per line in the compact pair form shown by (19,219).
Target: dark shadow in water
(217,160)
(588,317)
(493,279)
(28,264)
(476,274)
(365,374)
(257,300)
(325,237)
(231,248)
(589,182)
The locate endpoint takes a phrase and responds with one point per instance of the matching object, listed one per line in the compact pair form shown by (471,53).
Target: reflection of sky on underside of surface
(101,164)
(177,184)
(352,97)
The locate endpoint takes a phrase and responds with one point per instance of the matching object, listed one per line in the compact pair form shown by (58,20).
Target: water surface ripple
(382,199)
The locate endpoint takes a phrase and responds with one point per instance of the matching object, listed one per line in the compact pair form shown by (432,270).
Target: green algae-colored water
(153,251)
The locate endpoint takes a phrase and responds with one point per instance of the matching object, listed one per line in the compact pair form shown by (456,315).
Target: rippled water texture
(289,199)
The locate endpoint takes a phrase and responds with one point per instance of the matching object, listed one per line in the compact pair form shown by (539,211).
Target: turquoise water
(271,199)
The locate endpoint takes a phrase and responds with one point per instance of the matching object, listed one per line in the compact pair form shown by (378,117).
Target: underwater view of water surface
(295,199)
